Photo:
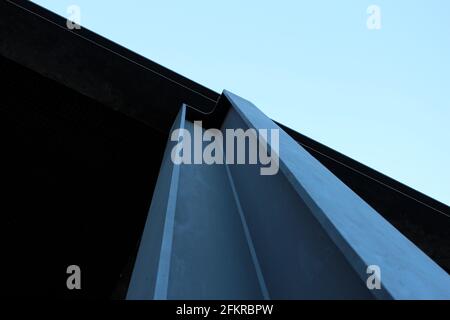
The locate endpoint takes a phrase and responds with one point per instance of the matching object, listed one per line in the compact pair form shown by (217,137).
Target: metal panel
(361,234)
(225,231)
(297,257)
(151,267)
(194,245)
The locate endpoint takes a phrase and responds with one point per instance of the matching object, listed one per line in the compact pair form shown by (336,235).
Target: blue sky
(381,97)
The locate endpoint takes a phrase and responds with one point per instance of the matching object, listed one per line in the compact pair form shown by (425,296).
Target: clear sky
(381,96)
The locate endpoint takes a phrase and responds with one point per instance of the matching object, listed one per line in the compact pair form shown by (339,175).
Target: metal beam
(225,231)
(360,235)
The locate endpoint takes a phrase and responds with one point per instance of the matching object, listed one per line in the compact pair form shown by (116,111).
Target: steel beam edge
(362,235)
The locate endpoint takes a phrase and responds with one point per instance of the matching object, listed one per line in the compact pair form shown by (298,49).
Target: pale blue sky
(381,97)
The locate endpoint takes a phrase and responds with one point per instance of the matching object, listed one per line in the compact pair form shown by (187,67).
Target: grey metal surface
(194,245)
(363,237)
(149,269)
(211,257)
(298,259)
(228,232)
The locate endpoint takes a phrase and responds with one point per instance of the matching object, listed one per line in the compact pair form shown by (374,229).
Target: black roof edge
(97,67)
(340,159)
(115,47)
